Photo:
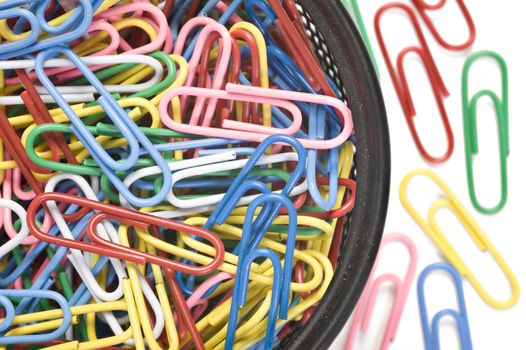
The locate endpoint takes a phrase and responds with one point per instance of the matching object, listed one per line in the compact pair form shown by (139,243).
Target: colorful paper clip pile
(173,174)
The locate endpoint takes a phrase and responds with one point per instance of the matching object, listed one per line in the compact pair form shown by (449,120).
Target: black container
(340,47)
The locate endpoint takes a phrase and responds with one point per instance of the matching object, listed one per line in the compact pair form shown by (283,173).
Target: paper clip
(117,114)
(364,309)
(433,230)
(399,78)
(108,248)
(90,61)
(256,133)
(27,41)
(281,281)
(163,41)
(469,106)
(431,331)
(422,7)
(211,29)
(77,24)
(241,299)
(10,315)
(249,229)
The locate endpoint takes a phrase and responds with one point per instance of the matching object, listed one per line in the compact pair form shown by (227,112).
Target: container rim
(373,163)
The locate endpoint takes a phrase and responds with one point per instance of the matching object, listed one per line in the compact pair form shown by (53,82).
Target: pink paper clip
(163,41)
(363,311)
(218,81)
(257,133)
(12,184)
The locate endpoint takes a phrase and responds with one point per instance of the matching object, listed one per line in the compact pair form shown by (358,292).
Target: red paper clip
(422,7)
(133,218)
(399,79)
(183,313)
(291,26)
(17,151)
(41,115)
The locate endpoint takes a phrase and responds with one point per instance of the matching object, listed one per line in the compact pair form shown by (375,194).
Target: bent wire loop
(6,323)
(364,309)
(281,280)
(73,28)
(10,47)
(422,7)
(433,230)
(120,118)
(240,297)
(399,78)
(257,133)
(469,108)
(233,196)
(76,257)
(211,27)
(431,331)
(115,250)
(241,185)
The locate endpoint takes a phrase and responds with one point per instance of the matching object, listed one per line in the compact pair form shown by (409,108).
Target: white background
(500,27)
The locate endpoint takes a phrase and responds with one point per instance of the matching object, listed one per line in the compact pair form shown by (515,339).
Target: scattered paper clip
(433,230)
(363,311)
(423,7)
(431,331)
(470,106)
(399,78)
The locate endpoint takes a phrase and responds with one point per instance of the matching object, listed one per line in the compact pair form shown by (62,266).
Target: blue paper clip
(281,281)
(77,24)
(237,189)
(263,222)
(15,46)
(10,4)
(121,119)
(248,230)
(431,335)
(233,194)
(218,216)
(239,296)
(255,17)
(10,314)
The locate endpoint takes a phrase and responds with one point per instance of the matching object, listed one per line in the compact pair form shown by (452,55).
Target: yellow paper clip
(433,230)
